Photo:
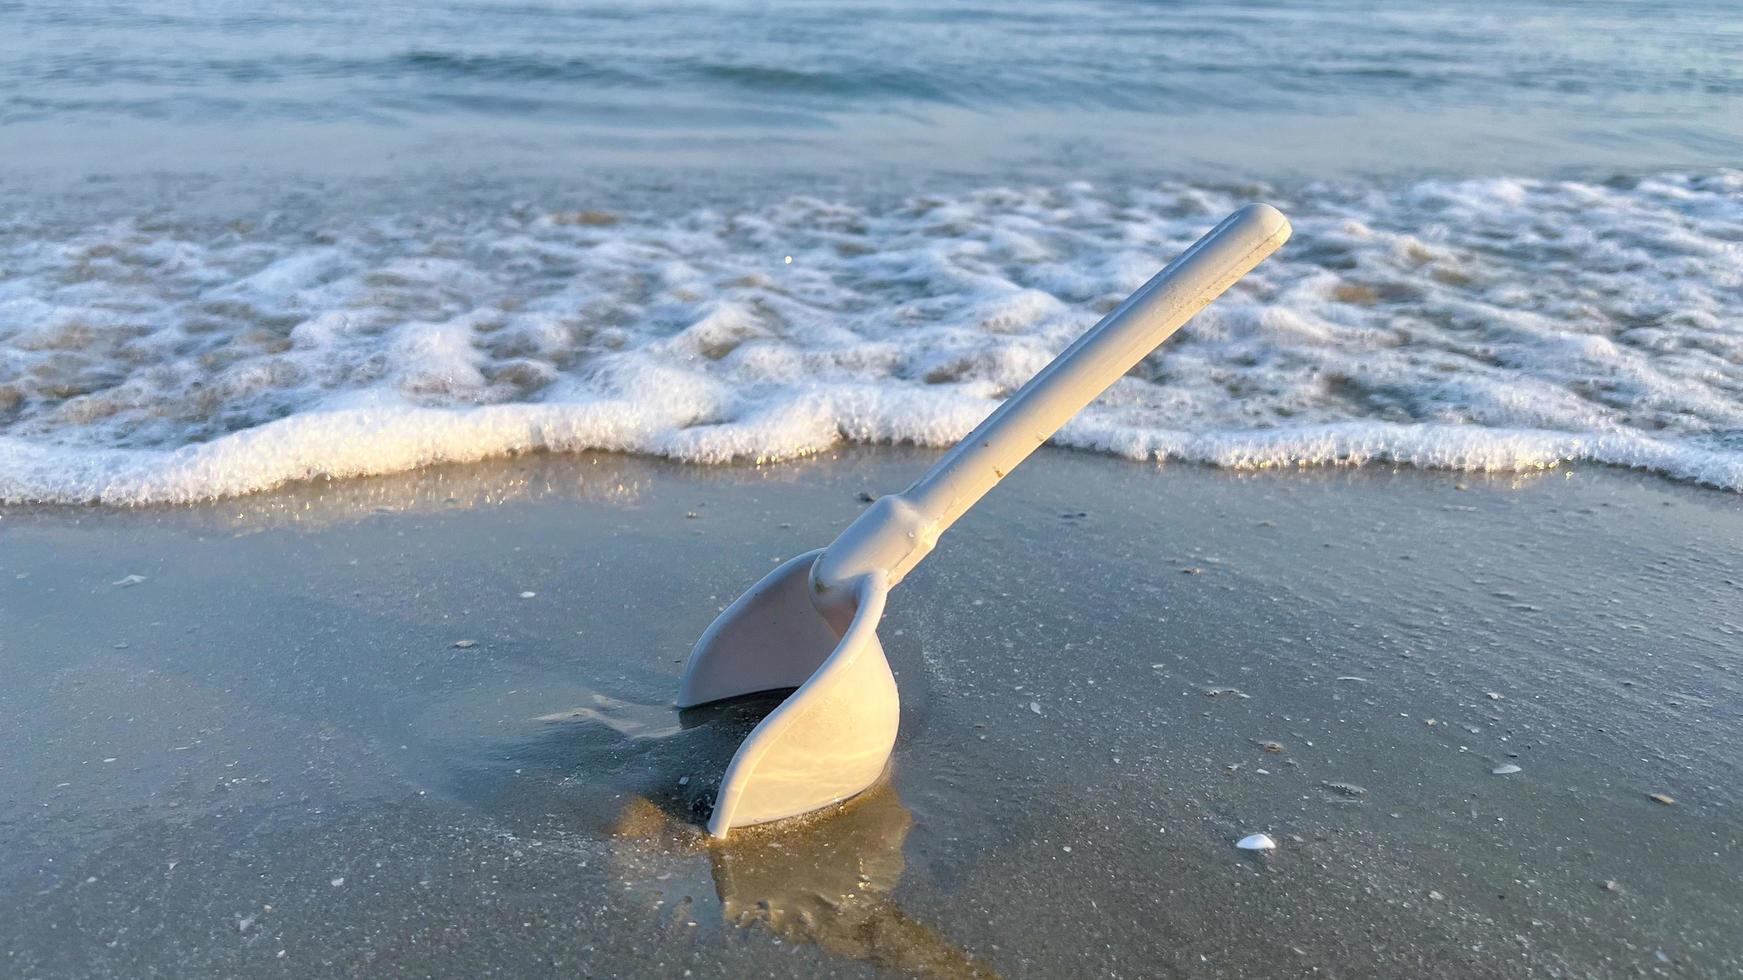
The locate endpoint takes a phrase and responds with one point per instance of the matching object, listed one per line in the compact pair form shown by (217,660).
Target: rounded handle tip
(1261,221)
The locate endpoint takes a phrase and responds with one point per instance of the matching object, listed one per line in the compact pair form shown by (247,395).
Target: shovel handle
(901,529)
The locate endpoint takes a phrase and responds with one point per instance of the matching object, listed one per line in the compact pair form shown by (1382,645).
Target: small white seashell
(1035,706)
(1506,770)
(1256,842)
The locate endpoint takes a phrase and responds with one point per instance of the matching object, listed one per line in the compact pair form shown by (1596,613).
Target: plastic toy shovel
(811,624)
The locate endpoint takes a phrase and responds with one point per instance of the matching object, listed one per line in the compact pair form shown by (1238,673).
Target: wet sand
(270,756)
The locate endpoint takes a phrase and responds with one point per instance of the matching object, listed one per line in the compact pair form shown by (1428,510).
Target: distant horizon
(1048,90)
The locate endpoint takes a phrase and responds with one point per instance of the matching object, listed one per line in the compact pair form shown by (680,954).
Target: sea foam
(1495,325)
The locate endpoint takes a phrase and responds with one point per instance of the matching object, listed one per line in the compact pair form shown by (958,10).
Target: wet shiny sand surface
(325,732)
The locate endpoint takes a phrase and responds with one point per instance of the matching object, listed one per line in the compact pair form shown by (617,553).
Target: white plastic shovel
(812,622)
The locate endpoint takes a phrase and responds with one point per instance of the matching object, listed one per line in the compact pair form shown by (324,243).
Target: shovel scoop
(811,624)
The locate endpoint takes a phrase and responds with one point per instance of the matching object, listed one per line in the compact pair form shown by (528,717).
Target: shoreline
(1425,324)
(1534,454)
(293,726)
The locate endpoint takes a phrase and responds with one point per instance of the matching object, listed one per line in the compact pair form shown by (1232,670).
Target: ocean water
(243,244)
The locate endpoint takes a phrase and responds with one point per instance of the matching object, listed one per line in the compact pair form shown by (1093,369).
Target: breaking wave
(1494,324)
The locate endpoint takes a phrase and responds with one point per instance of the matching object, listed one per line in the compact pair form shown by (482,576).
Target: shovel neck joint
(887,540)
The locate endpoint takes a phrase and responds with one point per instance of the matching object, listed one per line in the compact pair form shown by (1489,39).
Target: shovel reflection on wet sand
(831,882)
(826,879)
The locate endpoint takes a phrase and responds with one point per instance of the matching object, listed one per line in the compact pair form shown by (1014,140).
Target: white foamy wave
(1489,325)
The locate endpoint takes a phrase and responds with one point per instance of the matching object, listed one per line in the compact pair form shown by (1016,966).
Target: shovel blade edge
(829,741)
(769,639)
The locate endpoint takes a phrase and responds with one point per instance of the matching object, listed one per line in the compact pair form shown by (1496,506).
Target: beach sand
(421,725)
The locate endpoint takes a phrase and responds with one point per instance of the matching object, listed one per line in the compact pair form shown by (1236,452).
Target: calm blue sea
(1313,89)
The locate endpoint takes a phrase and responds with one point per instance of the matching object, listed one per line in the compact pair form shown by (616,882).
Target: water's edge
(1493,325)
